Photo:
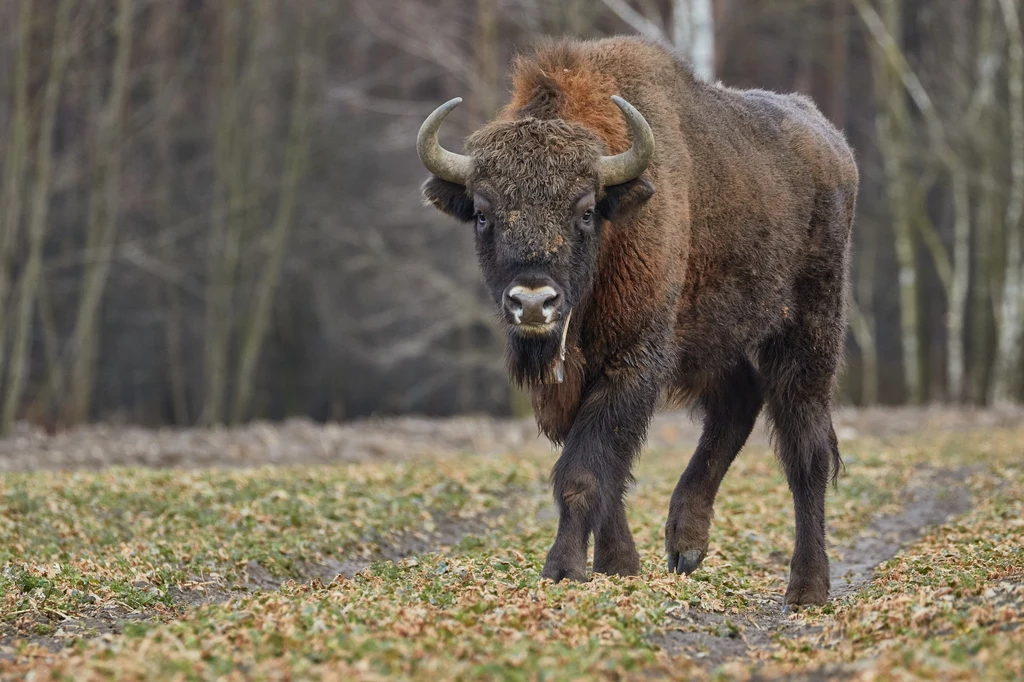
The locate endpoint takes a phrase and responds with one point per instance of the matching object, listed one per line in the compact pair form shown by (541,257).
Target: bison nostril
(532,305)
(515,307)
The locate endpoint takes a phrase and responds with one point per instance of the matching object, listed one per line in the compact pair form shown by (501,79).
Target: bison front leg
(591,475)
(730,406)
(614,550)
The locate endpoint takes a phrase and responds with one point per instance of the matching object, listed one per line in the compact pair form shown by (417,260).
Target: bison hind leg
(799,366)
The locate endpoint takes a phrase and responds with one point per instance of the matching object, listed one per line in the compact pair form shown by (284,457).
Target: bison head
(539,193)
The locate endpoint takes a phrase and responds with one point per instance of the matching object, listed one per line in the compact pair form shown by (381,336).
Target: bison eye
(587,220)
(481,221)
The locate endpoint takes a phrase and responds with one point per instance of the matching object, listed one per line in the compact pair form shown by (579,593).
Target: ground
(412,549)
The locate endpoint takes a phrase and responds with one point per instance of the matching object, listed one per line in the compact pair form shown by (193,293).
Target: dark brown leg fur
(799,366)
(591,475)
(730,409)
(807,447)
(614,550)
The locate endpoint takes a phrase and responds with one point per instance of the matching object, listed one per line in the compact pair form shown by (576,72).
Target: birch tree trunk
(892,125)
(1010,322)
(693,32)
(31,274)
(980,117)
(957,296)
(954,270)
(956,161)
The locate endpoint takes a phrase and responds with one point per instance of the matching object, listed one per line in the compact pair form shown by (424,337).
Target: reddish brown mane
(559,82)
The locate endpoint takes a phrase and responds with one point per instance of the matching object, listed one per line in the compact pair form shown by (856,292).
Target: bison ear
(620,200)
(449,197)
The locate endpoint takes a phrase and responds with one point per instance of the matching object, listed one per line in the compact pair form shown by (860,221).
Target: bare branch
(635,20)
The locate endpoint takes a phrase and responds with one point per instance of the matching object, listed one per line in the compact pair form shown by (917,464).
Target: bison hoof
(560,573)
(562,566)
(806,593)
(621,563)
(685,562)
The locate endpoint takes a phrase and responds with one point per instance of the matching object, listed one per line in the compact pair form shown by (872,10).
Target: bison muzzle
(649,236)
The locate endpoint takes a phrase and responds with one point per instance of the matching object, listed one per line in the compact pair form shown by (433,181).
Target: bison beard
(711,269)
(533,359)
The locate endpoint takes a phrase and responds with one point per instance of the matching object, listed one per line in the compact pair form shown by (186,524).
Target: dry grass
(139,574)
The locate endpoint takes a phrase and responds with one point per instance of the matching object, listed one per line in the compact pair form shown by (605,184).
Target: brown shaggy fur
(567,87)
(716,279)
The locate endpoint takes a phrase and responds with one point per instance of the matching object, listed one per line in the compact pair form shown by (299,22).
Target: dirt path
(936,497)
(713,638)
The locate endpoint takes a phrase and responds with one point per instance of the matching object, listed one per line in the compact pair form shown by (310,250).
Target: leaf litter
(431,567)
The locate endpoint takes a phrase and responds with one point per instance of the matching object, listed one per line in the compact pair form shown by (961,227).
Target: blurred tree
(11,196)
(40,203)
(105,218)
(210,210)
(1009,351)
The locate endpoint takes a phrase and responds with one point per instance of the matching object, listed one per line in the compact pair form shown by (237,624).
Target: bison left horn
(615,170)
(444,164)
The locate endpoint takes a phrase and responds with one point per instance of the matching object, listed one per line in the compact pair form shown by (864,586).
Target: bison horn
(444,164)
(615,170)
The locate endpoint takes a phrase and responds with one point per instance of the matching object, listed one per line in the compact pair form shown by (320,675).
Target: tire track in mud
(934,497)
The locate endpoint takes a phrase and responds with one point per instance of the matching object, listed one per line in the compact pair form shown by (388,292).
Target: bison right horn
(615,170)
(444,164)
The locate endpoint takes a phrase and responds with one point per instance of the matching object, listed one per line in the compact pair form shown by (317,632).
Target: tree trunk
(295,158)
(167,82)
(892,124)
(863,317)
(838,60)
(693,32)
(982,300)
(31,274)
(980,118)
(1010,322)
(87,327)
(957,297)
(863,332)
(14,170)
(220,256)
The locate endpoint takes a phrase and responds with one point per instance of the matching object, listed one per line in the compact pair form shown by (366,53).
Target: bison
(648,236)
